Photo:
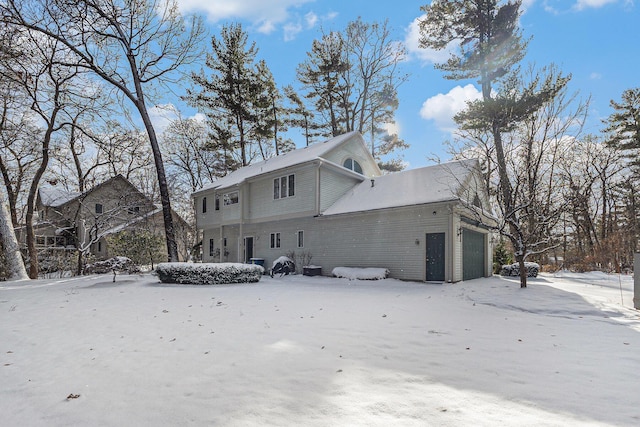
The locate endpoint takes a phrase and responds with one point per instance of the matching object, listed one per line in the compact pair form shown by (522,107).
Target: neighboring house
(68,220)
(330,201)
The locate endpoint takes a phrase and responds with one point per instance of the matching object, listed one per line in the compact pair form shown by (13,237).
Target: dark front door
(248,249)
(435,257)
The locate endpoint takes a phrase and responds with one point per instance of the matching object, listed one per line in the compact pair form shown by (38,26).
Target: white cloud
(595,76)
(291,30)
(594,4)
(163,114)
(411,42)
(392,128)
(442,107)
(312,19)
(265,14)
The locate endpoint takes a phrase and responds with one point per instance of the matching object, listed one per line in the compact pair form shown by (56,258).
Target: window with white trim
(204,205)
(230,198)
(211,247)
(275,240)
(300,238)
(284,186)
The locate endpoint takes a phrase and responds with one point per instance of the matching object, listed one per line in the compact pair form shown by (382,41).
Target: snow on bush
(533,268)
(283,265)
(361,273)
(208,273)
(119,263)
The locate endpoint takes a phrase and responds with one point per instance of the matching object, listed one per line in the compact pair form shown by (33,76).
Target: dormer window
(353,165)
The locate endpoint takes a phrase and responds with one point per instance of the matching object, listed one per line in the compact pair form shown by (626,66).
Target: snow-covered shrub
(361,273)
(119,264)
(283,265)
(208,273)
(55,263)
(533,268)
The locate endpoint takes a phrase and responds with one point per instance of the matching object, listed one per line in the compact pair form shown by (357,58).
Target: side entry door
(435,257)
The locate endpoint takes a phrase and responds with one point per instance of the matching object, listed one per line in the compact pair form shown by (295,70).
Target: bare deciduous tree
(130,44)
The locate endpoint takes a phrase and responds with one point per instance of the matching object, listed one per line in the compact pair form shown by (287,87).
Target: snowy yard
(315,351)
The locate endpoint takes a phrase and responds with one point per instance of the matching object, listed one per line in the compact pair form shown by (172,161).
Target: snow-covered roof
(430,184)
(56,196)
(292,158)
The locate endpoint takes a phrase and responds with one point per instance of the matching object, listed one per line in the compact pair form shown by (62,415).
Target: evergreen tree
(489,45)
(235,98)
(623,126)
(352,79)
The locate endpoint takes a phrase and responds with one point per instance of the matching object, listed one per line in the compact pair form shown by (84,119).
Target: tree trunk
(511,219)
(172,246)
(15,263)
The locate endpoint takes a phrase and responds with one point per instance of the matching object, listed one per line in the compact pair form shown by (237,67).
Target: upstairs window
(353,165)
(98,208)
(285,186)
(231,198)
(217,202)
(204,205)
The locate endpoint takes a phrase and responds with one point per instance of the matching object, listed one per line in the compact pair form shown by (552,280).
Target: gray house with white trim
(330,202)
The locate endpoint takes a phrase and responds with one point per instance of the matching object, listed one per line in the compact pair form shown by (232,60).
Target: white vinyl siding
(333,186)
(377,239)
(262,205)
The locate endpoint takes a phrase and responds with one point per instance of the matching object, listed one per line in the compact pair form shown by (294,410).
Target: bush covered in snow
(208,273)
(533,268)
(119,263)
(361,273)
(283,265)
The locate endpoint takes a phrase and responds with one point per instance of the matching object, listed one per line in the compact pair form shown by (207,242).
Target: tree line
(558,194)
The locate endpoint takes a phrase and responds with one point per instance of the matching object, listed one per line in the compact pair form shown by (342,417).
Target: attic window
(476,202)
(353,165)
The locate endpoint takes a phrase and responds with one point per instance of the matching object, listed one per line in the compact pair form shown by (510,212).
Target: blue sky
(597,41)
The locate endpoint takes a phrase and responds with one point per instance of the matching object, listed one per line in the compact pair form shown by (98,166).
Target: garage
(473,256)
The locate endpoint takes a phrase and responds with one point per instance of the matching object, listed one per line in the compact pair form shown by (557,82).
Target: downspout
(318,188)
(452,244)
(241,230)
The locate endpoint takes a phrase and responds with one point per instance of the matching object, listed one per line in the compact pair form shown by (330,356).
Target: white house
(330,202)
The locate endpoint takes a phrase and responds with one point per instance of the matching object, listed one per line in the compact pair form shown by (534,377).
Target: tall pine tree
(235,98)
(488,45)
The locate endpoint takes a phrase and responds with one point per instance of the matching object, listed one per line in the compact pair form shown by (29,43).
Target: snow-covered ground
(316,351)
